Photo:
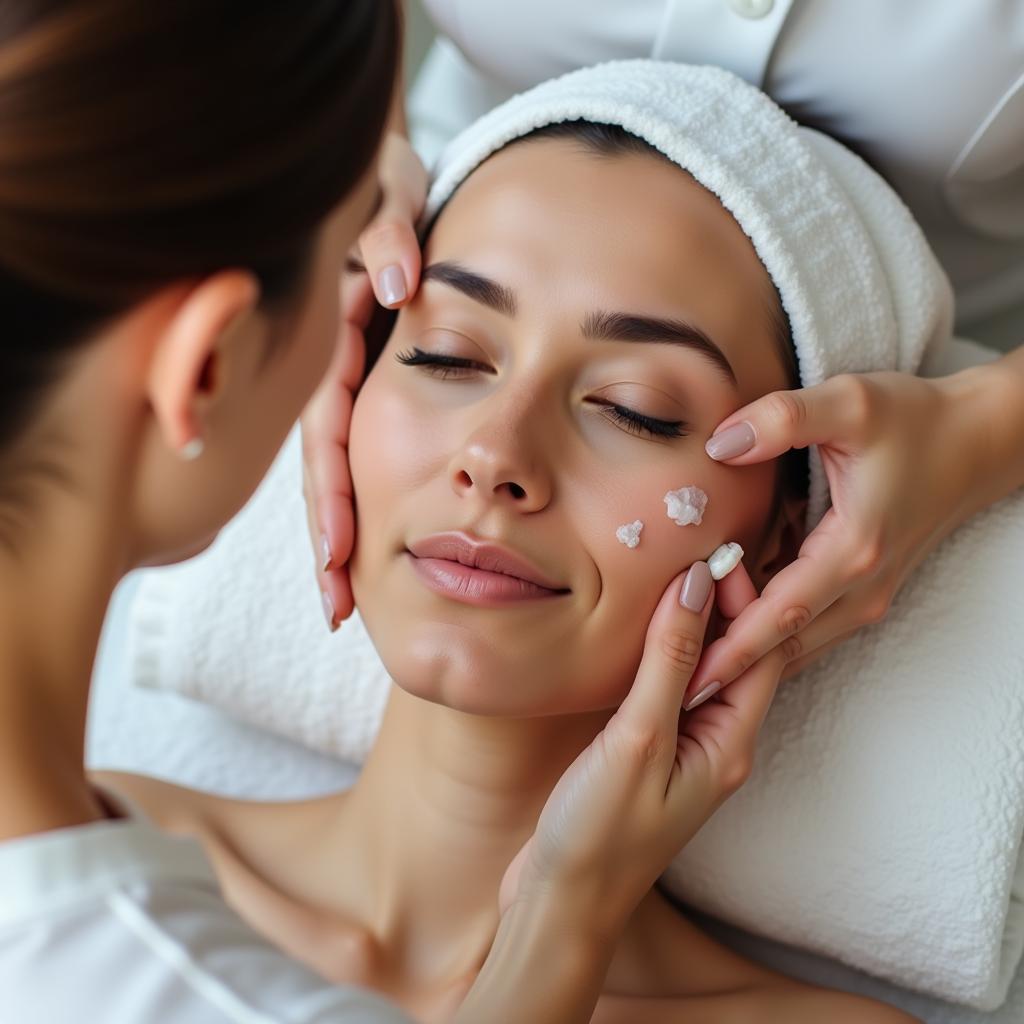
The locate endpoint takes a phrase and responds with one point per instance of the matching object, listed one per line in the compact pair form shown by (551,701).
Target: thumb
(388,245)
(832,413)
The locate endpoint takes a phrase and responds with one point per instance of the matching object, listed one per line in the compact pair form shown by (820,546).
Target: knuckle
(743,659)
(736,772)
(793,619)
(876,609)
(681,650)
(858,396)
(867,557)
(786,409)
(384,235)
(792,648)
(642,745)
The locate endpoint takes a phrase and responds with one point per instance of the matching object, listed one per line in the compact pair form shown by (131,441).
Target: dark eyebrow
(634,327)
(596,326)
(481,289)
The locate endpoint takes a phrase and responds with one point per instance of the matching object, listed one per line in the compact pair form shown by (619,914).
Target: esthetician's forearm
(996,391)
(544,967)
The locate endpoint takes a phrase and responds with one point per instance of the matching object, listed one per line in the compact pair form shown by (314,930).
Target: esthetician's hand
(652,777)
(908,460)
(390,252)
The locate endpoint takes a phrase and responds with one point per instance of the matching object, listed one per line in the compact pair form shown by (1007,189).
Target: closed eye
(645,426)
(445,367)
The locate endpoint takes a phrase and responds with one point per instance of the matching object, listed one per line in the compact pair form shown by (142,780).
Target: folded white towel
(883,822)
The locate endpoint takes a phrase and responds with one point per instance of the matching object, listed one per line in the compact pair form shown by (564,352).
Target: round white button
(752,8)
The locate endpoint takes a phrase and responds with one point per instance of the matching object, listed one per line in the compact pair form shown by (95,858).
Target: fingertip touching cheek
(528,452)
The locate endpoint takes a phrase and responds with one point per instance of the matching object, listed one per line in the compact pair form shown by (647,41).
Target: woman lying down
(528,461)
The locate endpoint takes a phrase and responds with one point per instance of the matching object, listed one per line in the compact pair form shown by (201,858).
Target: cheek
(739,501)
(633,579)
(388,443)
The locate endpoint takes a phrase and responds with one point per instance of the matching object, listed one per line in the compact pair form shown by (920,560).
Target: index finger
(672,648)
(828,413)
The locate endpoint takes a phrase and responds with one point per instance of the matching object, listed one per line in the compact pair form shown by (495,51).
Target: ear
(186,370)
(782,544)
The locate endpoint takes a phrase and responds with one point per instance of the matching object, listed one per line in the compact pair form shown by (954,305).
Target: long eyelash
(438,364)
(445,366)
(638,423)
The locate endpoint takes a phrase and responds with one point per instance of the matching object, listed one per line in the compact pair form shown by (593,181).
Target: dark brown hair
(146,141)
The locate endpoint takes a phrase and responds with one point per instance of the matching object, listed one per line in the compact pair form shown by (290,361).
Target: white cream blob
(630,533)
(685,506)
(724,560)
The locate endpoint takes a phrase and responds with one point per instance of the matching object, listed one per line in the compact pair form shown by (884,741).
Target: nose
(497,466)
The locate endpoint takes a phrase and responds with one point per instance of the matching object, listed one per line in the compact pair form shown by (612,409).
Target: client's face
(554,378)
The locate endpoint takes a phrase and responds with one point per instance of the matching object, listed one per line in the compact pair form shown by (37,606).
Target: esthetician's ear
(783,543)
(191,357)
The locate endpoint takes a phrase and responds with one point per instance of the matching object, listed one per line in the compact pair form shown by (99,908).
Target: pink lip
(478,573)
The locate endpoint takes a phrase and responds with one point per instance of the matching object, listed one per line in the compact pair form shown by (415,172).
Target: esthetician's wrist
(988,401)
(547,965)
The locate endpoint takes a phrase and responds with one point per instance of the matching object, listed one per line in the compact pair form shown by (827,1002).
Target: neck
(56,579)
(443,804)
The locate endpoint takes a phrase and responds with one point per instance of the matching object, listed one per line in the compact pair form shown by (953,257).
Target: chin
(469,676)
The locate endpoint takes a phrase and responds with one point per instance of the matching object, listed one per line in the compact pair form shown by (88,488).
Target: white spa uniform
(120,923)
(930,92)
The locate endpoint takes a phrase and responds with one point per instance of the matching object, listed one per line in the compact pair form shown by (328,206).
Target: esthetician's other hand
(908,460)
(390,252)
(652,777)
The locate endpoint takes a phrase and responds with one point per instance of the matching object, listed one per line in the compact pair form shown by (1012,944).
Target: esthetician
(179,186)
(932,95)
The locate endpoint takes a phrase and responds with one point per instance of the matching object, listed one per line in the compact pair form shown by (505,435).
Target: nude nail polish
(732,441)
(709,691)
(391,285)
(328,610)
(696,587)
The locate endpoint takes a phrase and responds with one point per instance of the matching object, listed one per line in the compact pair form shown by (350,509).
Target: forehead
(571,231)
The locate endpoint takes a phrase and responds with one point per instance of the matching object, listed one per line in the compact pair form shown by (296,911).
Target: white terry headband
(860,285)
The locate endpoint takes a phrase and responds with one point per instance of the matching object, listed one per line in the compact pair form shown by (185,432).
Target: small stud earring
(192,450)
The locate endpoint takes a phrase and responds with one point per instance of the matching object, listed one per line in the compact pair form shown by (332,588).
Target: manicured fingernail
(732,441)
(696,587)
(709,691)
(391,285)
(328,610)
(325,553)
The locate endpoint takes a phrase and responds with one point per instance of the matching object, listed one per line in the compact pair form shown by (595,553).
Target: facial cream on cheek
(630,533)
(685,506)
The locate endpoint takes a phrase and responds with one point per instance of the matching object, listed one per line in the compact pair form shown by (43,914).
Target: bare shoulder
(190,811)
(175,808)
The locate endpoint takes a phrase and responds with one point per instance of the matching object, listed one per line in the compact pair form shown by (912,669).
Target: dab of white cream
(686,506)
(724,560)
(630,533)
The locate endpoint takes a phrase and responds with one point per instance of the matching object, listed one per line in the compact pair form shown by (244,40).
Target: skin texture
(570,235)
(394,883)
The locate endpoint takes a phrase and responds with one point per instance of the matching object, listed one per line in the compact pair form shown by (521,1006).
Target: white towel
(883,822)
